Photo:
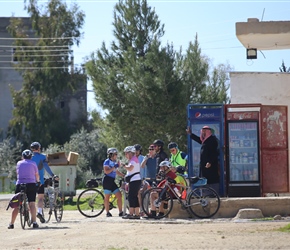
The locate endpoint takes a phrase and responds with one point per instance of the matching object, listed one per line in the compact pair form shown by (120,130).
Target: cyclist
(166,171)
(140,157)
(27,172)
(134,179)
(177,158)
(160,154)
(110,166)
(150,163)
(42,165)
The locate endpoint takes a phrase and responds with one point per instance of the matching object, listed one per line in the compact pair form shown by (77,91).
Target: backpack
(14,201)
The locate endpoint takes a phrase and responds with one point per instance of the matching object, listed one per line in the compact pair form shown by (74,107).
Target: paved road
(8,196)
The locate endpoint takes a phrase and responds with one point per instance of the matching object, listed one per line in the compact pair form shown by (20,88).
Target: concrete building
(72,105)
(256,35)
(267,88)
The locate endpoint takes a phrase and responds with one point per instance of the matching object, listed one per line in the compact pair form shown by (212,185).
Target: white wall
(261,87)
(265,88)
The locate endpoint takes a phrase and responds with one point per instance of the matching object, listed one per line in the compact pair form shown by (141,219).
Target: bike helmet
(137,147)
(172,145)
(112,151)
(27,154)
(158,142)
(165,164)
(130,149)
(35,145)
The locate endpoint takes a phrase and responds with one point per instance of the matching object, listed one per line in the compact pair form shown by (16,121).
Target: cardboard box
(58,158)
(73,158)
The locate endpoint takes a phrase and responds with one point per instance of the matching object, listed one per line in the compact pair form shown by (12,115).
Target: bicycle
(53,200)
(25,216)
(90,202)
(202,201)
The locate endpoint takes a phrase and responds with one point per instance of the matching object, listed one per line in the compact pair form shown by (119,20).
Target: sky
(212,21)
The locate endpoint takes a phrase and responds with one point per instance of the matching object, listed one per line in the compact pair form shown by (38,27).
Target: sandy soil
(77,232)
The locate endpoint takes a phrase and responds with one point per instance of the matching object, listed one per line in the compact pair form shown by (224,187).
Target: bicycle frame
(52,200)
(25,216)
(202,201)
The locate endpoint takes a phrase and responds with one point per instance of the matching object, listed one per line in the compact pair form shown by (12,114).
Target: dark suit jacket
(208,153)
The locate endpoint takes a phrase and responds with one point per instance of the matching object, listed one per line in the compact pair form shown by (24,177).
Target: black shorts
(109,184)
(40,189)
(30,191)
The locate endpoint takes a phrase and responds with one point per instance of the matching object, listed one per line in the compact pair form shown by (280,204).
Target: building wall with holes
(72,104)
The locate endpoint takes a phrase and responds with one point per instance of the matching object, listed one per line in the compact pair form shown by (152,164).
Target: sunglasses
(151,149)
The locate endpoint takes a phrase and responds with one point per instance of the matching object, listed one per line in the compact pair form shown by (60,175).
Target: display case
(243,152)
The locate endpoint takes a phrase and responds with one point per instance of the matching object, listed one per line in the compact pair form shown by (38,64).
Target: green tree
(283,68)
(10,153)
(44,63)
(145,87)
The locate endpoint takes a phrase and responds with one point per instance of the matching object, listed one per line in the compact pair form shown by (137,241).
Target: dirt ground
(77,232)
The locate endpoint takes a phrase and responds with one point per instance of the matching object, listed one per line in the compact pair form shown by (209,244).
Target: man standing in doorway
(208,156)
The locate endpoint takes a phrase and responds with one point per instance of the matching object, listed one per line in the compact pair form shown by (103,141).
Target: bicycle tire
(47,209)
(58,208)
(23,211)
(147,199)
(22,217)
(28,215)
(90,203)
(203,202)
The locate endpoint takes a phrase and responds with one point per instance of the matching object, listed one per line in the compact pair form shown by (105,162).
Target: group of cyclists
(155,163)
(30,171)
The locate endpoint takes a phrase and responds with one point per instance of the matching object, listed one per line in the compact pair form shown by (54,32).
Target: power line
(33,46)
(34,55)
(38,38)
(40,50)
(14,68)
(37,61)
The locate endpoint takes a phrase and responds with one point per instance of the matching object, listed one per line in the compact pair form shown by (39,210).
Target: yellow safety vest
(177,160)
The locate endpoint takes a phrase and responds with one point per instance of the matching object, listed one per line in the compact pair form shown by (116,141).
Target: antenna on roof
(263,15)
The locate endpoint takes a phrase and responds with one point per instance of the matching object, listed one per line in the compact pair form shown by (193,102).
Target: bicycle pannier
(14,201)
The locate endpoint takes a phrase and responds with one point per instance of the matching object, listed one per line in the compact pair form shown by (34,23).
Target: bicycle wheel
(47,208)
(58,208)
(203,202)
(151,199)
(22,217)
(28,215)
(90,203)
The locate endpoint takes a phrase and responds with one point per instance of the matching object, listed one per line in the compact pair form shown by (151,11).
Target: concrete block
(249,213)
(269,207)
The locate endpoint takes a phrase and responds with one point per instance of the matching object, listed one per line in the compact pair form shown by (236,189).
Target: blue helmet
(35,145)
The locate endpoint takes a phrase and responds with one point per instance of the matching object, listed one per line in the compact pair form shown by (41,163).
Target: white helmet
(112,151)
(165,164)
(130,149)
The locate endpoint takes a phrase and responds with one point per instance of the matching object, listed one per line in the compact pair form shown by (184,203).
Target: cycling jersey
(26,170)
(111,164)
(41,162)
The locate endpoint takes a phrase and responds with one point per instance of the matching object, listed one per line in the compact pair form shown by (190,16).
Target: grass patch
(263,219)
(70,204)
(285,229)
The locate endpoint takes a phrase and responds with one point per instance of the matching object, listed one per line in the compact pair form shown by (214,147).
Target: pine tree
(143,86)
